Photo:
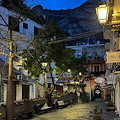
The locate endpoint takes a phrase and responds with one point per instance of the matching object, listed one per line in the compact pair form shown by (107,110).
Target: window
(96,68)
(35,30)
(49,85)
(12,20)
(25,91)
(25,25)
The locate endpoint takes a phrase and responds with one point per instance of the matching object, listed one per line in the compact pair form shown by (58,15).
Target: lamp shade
(80,73)
(102,12)
(44,64)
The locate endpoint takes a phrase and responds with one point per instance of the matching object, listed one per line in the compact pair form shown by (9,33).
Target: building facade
(96,69)
(25,30)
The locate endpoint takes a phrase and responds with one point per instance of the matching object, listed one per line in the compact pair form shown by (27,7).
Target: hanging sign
(113,57)
(65,88)
(99,80)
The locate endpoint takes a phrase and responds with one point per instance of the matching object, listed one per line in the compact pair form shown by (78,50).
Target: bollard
(0,114)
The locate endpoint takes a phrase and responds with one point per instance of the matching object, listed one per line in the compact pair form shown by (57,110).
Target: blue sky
(60,4)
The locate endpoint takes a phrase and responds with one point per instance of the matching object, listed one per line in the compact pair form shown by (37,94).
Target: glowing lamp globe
(102,12)
(80,73)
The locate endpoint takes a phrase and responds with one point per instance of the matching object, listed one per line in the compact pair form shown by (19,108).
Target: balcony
(98,73)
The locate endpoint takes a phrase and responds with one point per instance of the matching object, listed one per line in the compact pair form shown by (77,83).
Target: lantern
(102,12)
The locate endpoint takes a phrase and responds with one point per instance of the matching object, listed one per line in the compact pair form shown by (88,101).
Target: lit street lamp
(109,14)
(44,65)
(80,73)
(69,70)
(102,12)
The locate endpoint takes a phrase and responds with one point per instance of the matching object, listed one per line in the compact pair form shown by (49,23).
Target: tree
(79,65)
(9,39)
(79,68)
(56,53)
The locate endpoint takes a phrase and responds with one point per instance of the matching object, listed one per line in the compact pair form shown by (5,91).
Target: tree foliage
(10,39)
(45,52)
(79,65)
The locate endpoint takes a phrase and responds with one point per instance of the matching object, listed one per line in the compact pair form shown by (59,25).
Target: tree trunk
(49,99)
(10,92)
(49,102)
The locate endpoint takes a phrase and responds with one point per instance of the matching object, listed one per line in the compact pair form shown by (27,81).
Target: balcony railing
(98,73)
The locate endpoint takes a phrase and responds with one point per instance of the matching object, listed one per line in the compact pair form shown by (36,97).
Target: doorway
(25,91)
(97,93)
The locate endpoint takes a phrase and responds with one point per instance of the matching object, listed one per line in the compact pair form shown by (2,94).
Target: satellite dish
(98,42)
(83,43)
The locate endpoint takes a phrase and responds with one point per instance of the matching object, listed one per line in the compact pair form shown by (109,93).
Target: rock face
(79,20)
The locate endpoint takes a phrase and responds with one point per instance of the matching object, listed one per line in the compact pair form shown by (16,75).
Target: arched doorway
(97,92)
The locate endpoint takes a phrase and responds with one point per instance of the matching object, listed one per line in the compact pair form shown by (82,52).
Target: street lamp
(80,73)
(44,65)
(102,12)
(69,72)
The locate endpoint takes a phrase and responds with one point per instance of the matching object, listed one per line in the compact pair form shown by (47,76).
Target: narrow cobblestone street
(78,112)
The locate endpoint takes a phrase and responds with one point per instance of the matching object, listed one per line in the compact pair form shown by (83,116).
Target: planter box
(97,117)
(110,105)
(28,114)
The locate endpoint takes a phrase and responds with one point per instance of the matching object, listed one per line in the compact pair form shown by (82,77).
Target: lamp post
(69,72)
(68,75)
(80,74)
(44,65)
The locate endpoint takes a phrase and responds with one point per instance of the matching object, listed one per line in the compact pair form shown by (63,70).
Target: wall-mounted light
(102,12)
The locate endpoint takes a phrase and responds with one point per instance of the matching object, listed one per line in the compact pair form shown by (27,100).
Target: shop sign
(97,91)
(65,88)
(113,57)
(99,80)
(61,84)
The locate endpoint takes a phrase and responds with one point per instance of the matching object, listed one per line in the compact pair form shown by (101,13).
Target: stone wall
(30,105)
(20,107)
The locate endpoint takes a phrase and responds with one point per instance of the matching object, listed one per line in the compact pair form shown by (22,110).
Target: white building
(24,31)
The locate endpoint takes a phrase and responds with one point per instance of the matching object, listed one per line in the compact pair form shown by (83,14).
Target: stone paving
(78,112)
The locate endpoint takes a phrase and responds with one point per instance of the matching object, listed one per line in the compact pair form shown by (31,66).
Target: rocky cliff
(75,21)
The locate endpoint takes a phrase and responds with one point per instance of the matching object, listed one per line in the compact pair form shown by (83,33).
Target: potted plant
(97,113)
